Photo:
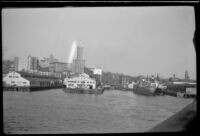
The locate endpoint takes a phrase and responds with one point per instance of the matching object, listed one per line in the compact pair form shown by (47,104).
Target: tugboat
(146,87)
(82,84)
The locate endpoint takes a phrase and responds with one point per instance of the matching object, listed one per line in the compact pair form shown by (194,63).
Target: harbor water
(114,111)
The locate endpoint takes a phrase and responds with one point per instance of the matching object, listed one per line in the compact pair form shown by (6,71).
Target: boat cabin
(80,81)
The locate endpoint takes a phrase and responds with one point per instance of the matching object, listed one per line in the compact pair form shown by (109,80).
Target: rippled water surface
(54,111)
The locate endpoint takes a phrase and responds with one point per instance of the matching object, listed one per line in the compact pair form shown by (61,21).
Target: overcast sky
(128,40)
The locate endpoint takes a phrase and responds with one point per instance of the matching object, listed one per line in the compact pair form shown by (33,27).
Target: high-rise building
(186,75)
(78,63)
(23,63)
(7,66)
(58,67)
(32,63)
(78,66)
(79,52)
(44,63)
(16,63)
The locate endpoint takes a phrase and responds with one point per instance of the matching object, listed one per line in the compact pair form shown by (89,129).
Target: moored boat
(84,90)
(144,87)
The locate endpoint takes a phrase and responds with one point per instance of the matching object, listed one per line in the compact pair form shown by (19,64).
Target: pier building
(181,90)
(15,79)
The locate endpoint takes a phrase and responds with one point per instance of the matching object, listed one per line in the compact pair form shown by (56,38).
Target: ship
(84,90)
(146,87)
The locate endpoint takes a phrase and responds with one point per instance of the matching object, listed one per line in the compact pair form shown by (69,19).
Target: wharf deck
(31,88)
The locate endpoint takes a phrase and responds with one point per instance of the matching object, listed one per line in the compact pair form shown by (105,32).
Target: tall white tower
(79,62)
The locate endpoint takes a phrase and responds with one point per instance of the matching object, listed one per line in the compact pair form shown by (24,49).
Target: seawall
(183,121)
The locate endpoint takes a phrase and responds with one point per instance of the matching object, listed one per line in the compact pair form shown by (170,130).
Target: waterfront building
(7,64)
(174,79)
(67,73)
(42,79)
(97,72)
(124,81)
(80,81)
(10,65)
(58,67)
(17,64)
(44,63)
(15,79)
(23,64)
(112,79)
(89,71)
(43,69)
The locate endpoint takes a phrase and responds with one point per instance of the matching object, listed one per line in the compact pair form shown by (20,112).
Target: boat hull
(144,90)
(83,91)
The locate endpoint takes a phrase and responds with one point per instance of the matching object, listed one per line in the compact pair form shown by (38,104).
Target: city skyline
(128,40)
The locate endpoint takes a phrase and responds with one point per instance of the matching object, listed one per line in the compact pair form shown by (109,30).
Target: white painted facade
(15,79)
(81,81)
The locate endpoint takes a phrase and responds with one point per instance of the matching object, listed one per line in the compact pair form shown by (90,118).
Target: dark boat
(145,88)
(84,90)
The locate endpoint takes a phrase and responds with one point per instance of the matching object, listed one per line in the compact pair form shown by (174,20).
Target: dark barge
(84,91)
(31,88)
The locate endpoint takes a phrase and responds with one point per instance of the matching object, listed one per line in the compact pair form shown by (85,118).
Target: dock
(181,90)
(28,89)
(16,88)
